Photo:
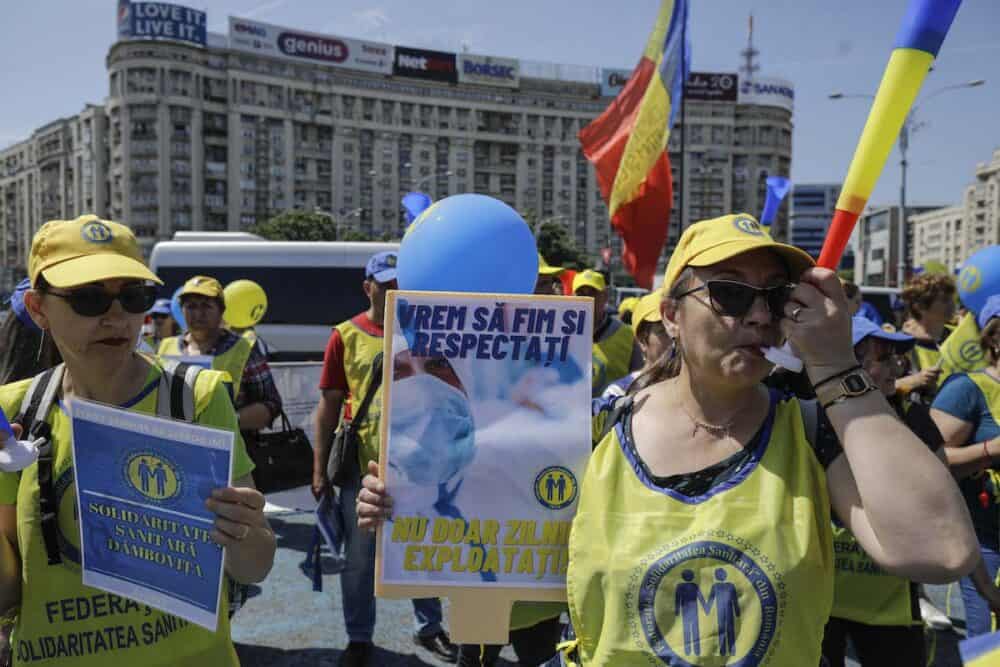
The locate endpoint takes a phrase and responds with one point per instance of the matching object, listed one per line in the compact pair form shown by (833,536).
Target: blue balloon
(469,243)
(415,203)
(175,309)
(979,278)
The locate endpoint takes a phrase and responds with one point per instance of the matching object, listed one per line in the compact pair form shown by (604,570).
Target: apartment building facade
(226,131)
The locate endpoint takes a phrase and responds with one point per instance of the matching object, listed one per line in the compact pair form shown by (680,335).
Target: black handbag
(342,468)
(283,459)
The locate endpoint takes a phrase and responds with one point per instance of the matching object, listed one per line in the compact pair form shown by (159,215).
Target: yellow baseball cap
(711,241)
(85,250)
(204,286)
(545,269)
(648,309)
(627,305)
(589,278)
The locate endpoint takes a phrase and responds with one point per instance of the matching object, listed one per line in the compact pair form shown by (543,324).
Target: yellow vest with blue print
(612,355)
(862,591)
(741,575)
(63,622)
(925,356)
(232,361)
(360,349)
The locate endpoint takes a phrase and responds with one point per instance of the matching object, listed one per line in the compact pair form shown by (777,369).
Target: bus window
(295,295)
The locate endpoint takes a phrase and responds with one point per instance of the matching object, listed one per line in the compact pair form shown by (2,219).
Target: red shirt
(333,376)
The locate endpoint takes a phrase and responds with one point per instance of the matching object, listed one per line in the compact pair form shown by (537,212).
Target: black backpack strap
(810,419)
(175,398)
(34,411)
(373,386)
(619,408)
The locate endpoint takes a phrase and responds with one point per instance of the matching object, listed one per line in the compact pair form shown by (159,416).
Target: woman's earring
(673,349)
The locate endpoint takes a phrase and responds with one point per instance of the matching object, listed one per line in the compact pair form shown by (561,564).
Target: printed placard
(141,485)
(485,436)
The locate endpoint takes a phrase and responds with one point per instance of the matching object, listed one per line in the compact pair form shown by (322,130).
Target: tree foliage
(297,226)
(558,248)
(934,266)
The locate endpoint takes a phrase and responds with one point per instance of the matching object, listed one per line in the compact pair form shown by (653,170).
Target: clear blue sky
(53,54)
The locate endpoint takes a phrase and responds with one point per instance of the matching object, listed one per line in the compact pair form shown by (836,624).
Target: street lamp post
(910,125)
(336,220)
(431,177)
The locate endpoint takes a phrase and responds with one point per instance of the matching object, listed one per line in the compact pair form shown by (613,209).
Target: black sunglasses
(91,301)
(735,299)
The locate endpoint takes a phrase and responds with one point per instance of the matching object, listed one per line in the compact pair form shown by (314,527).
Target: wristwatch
(850,385)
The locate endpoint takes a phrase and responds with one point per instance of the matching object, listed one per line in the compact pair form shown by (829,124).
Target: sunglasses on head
(92,300)
(735,299)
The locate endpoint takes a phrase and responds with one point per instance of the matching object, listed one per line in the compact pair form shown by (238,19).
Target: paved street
(286,624)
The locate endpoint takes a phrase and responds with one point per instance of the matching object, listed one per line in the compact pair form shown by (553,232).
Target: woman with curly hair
(930,305)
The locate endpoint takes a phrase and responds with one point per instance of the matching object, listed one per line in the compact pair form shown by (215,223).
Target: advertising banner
(488,70)
(613,80)
(485,436)
(141,487)
(768,91)
(160,20)
(711,86)
(422,64)
(291,43)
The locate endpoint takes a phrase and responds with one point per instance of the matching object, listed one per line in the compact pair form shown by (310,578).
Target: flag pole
(684,64)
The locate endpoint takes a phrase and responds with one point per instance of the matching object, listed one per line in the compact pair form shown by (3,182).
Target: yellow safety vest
(231,361)
(740,576)
(64,622)
(360,348)
(862,591)
(991,391)
(612,357)
(925,357)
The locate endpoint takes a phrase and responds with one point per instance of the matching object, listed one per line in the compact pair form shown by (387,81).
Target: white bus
(310,286)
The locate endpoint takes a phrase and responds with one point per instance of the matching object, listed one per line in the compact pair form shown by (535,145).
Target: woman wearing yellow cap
(90,291)
(203,303)
(651,336)
(703,534)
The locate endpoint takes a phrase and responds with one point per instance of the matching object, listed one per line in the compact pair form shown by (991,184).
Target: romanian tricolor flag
(981,651)
(961,351)
(917,44)
(628,143)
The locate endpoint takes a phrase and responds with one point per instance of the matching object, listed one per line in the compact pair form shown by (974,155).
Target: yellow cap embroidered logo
(748,226)
(96,231)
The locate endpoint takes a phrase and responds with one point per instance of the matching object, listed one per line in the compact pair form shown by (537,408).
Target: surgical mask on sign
(432,429)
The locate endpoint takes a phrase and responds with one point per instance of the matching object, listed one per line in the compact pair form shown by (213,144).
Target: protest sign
(485,436)
(141,486)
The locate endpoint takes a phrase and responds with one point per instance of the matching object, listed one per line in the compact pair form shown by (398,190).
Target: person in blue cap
(878,612)
(347,374)
(967,411)
(164,324)
(24,350)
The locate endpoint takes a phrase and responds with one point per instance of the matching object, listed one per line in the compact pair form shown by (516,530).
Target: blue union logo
(96,231)
(708,603)
(748,226)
